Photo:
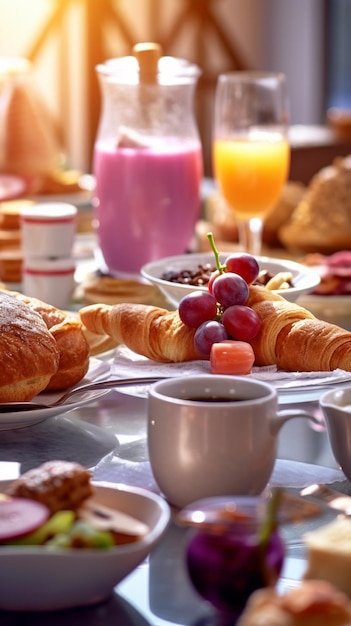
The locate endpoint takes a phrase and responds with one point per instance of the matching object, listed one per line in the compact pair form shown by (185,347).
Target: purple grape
(241,322)
(229,289)
(243,264)
(197,307)
(208,333)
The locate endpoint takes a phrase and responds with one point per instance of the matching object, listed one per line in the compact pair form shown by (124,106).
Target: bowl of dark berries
(177,276)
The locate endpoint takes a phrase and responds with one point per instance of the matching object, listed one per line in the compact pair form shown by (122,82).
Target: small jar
(227,560)
(48,230)
(50,280)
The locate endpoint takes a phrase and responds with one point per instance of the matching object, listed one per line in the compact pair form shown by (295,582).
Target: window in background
(338,54)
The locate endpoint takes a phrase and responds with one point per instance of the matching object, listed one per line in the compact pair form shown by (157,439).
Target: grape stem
(219,265)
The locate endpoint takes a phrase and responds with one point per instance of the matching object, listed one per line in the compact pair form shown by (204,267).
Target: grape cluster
(221,312)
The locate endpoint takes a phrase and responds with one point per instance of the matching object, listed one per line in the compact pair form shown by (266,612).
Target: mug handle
(285,415)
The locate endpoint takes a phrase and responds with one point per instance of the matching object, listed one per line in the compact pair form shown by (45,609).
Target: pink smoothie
(147,201)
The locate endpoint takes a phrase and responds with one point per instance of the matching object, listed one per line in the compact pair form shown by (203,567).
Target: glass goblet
(251,153)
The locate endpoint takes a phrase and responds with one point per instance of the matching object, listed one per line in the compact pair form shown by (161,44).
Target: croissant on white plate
(290,336)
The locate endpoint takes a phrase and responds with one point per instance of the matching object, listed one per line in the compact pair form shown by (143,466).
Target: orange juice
(251,173)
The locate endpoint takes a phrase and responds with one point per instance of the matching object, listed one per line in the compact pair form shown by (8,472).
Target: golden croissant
(153,332)
(290,336)
(294,339)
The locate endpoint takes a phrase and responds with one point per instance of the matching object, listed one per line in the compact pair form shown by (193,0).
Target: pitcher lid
(170,70)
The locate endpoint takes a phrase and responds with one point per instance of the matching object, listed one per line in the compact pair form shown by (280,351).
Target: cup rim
(330,397)
(156,389)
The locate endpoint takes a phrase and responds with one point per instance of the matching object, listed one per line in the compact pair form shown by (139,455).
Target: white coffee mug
(213,435)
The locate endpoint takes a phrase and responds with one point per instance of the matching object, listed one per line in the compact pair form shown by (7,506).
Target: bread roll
(70,341)
(321,222)
(312,603)
(29,353)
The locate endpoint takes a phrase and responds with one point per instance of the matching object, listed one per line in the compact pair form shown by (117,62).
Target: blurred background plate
(333,309)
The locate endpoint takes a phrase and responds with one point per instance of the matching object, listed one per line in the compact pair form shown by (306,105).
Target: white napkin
(127,364)
(296,474)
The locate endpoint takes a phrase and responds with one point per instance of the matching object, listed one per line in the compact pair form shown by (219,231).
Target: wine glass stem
(250,235)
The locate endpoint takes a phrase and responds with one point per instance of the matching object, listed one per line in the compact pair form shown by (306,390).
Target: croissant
(290,337)
(294,339)
(151,331)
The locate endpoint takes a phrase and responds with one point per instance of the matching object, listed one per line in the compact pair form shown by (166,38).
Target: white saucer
(97,369)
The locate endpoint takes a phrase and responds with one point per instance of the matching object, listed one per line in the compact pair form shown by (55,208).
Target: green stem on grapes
(270,521)
(219,265)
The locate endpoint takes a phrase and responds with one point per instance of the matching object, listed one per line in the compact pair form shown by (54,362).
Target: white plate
(297,387)
(97,370)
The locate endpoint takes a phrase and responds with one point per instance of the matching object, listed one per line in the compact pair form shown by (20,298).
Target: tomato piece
(20,516)
(232,357)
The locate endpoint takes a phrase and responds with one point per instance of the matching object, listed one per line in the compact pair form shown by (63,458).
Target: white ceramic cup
(336,407)
(50,280)
(213,435)
(48,229)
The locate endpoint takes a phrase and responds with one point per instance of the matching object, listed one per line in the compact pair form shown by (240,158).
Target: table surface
(109,436)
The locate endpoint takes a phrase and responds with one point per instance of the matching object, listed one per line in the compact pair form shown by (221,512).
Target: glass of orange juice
(251,152)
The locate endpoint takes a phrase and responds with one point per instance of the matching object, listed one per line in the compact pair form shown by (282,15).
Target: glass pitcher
(147,160)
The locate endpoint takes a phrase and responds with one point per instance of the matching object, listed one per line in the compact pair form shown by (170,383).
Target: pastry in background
(222,221)
(322,220)
(10,214)
(329,553)
(334,272)
(312,603)
(97,288)
(11,256)
(11,261)
(30,145)
(291,196)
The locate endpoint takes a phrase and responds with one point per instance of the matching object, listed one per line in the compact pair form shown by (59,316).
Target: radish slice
(20,516)
(232,357)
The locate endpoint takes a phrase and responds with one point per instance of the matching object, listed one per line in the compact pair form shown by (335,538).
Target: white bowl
(40,579)
(305,279)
